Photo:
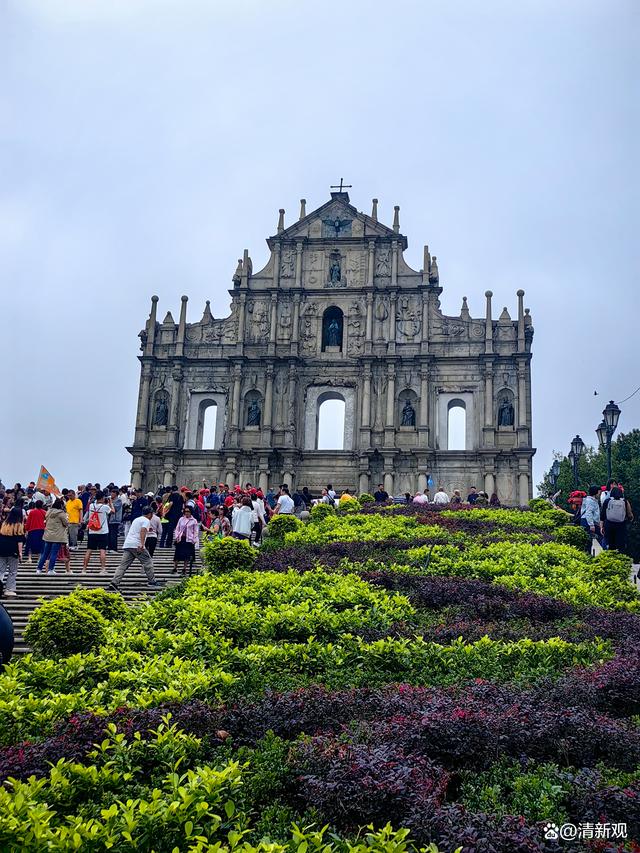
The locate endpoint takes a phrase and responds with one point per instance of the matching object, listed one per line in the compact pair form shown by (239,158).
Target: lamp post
(554,473)
(577,449)
(606,429)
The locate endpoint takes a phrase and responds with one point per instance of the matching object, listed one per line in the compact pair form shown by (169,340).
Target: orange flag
(46,481)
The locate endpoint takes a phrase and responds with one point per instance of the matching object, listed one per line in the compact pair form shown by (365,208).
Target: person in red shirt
(34,528)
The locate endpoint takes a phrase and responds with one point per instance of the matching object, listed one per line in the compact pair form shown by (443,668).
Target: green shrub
(320,511)
(539,505)
(65,626)
(226,555)
(280,525)
(111,605)
(571,534)
(366,498)
(348,506)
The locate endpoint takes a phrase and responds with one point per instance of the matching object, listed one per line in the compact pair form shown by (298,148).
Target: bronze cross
(339,188)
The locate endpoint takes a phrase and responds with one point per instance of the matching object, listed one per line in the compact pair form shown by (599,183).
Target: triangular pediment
(336,219)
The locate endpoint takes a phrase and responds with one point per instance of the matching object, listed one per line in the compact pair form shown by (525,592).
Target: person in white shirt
(154,533)
(98,511)
(242,520)
(331,492)
(260,517)
(135,546)
(285,505)
(441,497)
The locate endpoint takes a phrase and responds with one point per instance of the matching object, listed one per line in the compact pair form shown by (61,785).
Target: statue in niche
(285,322)
(333,333)
(161,414)
(288,263)
(505,414)
(335,273)
(408,415)
(253,414)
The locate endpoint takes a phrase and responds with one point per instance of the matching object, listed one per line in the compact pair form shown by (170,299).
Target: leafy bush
(227,555)
(348,506)
(65,626)
(320,511)
(366,498)
(540,505)
(280,525)
(571,534)
(111,605)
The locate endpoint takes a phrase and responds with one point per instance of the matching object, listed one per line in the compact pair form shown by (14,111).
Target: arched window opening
(332,328)
(331,422)
(457,425)
(207,426)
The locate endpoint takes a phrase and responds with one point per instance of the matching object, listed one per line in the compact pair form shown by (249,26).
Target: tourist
(242,520)
(97,518)
(64,556)
(482,500)
(472,497)
(381,495)
(324,498)
(590,518)
(270,498)
(494,500)
(261,519)
(220,527)
(308,497)
(284,505)
(185,537)
(345,496)
(299,502)
(154,532)
(615,513)
(34,528)
(331,492)
(456,500)
(115,520)
(11,541)
(55,535)
(173,514)
(75,511)
(135,546)
(420,498)
(605,491)
(441,497)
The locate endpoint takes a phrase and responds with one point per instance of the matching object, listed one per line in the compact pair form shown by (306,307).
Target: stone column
(391,397)
(268,399)
(521,339)
(142,414)
(363,482)
(151,327)
(299,246)
(388,483)
(488,325)
(264,474)
(488,394)
(291,418)
(392,319)
(182,326)
(241,317)
(423,416)
(295,332)
(522,396)
(230,474)
(394,263)
(523,489)
(424,343)
(137,472)
(176,392)
(274,320)
(489,483)
(422,481)
(276,265)
(235,404)
(371,262)
(365,419)
(369,328)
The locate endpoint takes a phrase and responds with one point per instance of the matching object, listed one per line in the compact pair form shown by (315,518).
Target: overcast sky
(145,143)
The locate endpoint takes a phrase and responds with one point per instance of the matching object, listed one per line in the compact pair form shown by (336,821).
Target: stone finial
(426,265)
(374,209)
(396,218)
(151,326)
(237,276)
(182,325)
(464,311)
(168,320)
(434,275)
(207,316)
(521,341)
(505,317)
(246,266)
(488,325)
(303,208)
(281,220)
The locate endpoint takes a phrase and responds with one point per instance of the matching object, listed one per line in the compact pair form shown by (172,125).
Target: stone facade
(337,313)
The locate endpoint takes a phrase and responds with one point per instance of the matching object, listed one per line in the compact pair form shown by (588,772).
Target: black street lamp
(577,449)
(606,429)
(554,473)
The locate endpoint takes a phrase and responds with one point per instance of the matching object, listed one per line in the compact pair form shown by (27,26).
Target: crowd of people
(440,497)
(39,527)
(604,512)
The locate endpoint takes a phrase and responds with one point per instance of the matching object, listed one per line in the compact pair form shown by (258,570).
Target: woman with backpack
(55,535)
(616,512)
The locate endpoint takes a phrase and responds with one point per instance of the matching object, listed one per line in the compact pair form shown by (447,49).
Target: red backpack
(95,521)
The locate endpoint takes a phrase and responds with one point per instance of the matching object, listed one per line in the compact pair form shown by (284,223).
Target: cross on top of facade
(342,186)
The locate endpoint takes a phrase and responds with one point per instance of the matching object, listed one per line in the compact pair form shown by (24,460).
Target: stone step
(32,587)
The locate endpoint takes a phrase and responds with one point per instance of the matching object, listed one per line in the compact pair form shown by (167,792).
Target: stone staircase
(31,587)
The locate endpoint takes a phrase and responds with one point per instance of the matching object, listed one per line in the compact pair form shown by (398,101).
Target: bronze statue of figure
(333,334)
(505,414)
(408,415)
(253,414)
(161,415)
(334,271)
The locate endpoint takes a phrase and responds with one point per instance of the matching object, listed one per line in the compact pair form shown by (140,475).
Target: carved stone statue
(408,415)
(161,414)
(505,413)
(253,414)
(333,334)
